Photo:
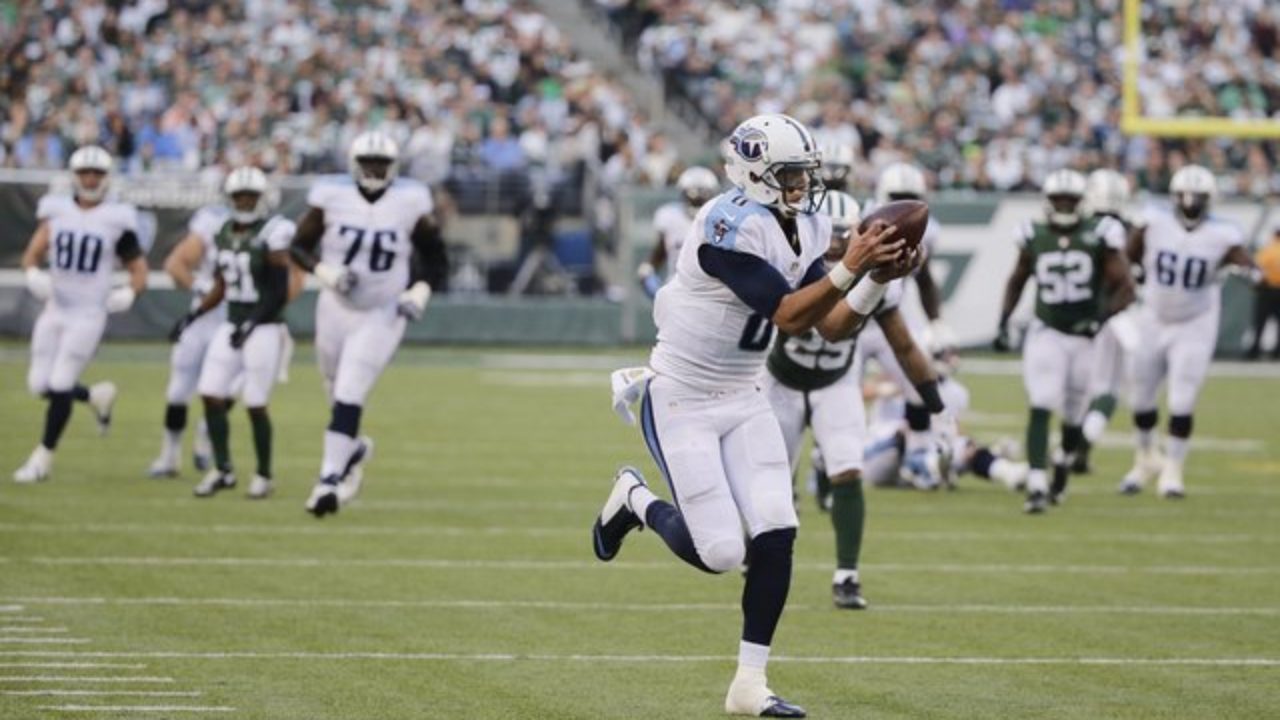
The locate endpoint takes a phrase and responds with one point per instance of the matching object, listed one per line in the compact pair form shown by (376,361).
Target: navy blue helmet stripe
(804,136)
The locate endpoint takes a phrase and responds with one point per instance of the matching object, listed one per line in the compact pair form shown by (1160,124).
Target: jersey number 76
(380,257)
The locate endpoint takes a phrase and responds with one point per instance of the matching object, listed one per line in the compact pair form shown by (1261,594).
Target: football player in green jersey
(1076,260)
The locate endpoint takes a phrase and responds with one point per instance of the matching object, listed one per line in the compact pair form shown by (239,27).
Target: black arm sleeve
(127,247)
(754,281)
(816,272)
(932,398)
(273,294)
(430,262)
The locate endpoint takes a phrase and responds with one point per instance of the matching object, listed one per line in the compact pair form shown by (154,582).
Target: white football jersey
(707,337)
(673,221)
(82,248)
(370,238)
(205,224)
(1181,265)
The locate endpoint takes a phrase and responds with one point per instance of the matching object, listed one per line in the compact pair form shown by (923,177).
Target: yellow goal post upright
(1133,122)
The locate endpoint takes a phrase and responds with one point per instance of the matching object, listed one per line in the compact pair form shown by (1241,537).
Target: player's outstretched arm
(1118,281)
(39,283)
(848,317)
(1012,293)
(183,259)
(307,239)
(930,295)
(803,309)
(648,271)
(1238,262)
(912,359)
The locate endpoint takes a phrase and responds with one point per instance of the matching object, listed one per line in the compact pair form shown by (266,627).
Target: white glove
(414,300)
(39,284)
(628,384)
(120,299)
(338,279)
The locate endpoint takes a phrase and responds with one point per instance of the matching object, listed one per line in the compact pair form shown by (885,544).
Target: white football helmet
(373,147)
(837,163)
(698,185)
(90,158)
(766,146)
(1106,193)
(242,180)
(1193,189)
(900,181)
(1064,197)
(845,215)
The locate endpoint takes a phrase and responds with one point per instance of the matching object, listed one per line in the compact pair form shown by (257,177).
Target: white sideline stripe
(814,660)
(11,608)
(502,531)
(103,693)
(139,708)
(22,619)
(455,564)
(73,666)
(43,641)
(77,678)
(478,604)
(29,629)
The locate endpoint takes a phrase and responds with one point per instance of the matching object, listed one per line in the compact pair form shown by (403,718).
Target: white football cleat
(260,488)
(753,697)
(201,448)
(1146,467)
(354,477)
(1170,485)
(323,500)
(102,397)
(163,467)
(37,467)
(1011,474)
(214,481)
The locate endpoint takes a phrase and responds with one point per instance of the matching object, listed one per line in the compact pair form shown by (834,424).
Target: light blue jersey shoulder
(727,215)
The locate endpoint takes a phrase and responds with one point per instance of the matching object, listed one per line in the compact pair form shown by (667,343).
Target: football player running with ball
(80,237)
(251,273)
(810,383)
(1182,252)
(1074,259)
(753,261)
(366,229)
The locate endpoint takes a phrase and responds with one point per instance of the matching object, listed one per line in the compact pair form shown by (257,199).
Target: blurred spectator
(1267,302)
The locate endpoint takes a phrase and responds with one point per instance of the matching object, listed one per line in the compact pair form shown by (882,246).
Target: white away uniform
(1178,320)
(188,353)
(82,256)
(705,419)
(672,221)
(357,334)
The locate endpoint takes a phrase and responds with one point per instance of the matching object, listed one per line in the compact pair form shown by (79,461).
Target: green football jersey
(242,262)
(1068,266)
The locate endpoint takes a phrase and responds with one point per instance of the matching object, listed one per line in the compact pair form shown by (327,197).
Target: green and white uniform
(241,261)
(811,382)
(1067,264)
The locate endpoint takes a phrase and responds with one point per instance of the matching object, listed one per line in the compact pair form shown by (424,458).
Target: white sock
(1146,440)
(1176,448)
(1094,425)
(172,445)
(1037,481)
(42,454)
(639,501)
(337,451)
(1006,471)
(843,574)
(752,659)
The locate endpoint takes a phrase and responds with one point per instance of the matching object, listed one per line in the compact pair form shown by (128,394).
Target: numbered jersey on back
(1068,266)
(370,238)
(672,221)
(1181,265)
(707,336)
(83,246)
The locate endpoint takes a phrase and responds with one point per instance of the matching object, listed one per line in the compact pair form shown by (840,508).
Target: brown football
(911,217)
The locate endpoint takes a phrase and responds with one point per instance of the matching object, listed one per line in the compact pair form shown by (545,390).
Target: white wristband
(841,277)
(866,295)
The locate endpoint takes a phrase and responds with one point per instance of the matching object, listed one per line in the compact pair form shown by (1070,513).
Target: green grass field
(463,584)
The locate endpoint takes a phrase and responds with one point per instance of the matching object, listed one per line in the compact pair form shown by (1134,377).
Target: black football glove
(241,333)
(179,327)
(1003,343)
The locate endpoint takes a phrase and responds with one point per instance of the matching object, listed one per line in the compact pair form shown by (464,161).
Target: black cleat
(779,708)
(616,518)
(1080,465)
(1058,487)
(847,595)
(1037,503)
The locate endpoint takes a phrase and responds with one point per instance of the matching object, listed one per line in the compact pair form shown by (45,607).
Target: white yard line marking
(561,531)
(43,641)
(139,708)
(1259,662)
(73,666)
(79,679)
(29,629)
(11,608)
(102,693)
(22,619)
(543,565)
(481,604)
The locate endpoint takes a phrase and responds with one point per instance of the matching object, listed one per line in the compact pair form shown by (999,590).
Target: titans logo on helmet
(751,145)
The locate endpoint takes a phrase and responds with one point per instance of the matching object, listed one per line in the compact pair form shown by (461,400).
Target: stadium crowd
(985,94)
